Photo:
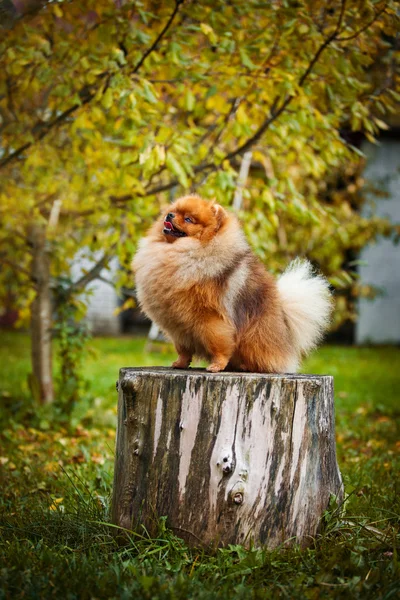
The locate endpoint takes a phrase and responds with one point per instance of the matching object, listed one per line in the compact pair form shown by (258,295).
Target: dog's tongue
(167,225)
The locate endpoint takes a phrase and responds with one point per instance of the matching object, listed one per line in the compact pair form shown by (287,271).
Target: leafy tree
(105,107)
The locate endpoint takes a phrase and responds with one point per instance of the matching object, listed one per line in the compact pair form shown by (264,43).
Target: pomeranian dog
(198,279)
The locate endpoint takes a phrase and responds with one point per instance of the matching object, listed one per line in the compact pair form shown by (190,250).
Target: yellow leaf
(303,29)
(97,458)
(36,159)
(144,156)
(274,220)
(381,124)
(56,504)
(129,303)
(209,32)
(241,115)
(108,98)
(50,467)
(160,150)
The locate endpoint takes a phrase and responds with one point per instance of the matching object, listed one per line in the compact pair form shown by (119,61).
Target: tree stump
(228,458)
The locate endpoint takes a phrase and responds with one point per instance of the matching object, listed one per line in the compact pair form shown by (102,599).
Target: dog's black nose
(170,216)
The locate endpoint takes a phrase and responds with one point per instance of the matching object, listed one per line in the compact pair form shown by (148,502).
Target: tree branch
(77,213)
(104,280)
(364,28)
(94,272)
(328,40)
(274,112)
(160,36)
(40,130)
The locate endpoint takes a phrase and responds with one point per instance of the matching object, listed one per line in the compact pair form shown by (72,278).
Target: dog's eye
(188,220)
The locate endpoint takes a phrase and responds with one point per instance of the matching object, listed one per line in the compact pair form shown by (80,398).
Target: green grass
(56,478)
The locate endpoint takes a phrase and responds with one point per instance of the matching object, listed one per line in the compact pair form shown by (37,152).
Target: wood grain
(228,457)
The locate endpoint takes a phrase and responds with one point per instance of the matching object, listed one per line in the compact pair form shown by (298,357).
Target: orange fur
(210,294)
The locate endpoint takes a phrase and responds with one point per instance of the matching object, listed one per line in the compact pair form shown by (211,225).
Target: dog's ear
(220,214)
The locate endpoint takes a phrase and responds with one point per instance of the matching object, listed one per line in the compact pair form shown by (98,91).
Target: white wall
(103,300)
(379,320)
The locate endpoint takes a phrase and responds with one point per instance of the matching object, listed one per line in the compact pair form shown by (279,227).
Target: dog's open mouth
(170,229)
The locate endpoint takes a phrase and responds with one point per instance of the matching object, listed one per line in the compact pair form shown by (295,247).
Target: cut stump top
(126,372)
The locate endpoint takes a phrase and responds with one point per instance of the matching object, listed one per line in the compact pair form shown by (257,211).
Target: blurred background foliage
(110,109)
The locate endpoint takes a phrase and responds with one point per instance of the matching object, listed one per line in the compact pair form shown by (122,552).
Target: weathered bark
(227,457)
(41,316)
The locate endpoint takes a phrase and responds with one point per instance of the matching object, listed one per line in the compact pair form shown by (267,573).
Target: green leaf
(246,61)
(189,100)
(177,169)
(107,99)
(148,92)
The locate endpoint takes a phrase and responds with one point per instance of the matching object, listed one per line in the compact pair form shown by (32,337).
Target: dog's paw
(180,364)
(215,368)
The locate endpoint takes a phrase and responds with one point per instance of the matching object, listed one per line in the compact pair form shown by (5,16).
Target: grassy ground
(56,476)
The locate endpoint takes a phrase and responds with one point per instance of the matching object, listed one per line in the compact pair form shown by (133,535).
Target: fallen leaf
(81,432)
(56,504)
(78,458)
(51,467)
(97,458)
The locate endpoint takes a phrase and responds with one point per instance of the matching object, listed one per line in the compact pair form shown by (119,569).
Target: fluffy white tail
(307,304)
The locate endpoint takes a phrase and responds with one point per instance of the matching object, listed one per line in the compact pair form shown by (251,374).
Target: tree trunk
(229,458)
(41,317)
